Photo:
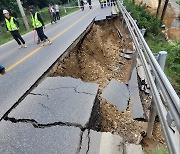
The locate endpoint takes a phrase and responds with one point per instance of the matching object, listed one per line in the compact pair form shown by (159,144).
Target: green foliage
(172,68)
(161,151)
(157,42)
(178,2)
(143,17)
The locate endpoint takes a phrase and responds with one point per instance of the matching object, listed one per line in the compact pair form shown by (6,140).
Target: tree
(158,9)
(164,9)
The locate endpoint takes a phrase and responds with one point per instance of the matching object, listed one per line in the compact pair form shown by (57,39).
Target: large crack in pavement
(89,141)
(75,90)
(39,125)
(80,143)
(39,95)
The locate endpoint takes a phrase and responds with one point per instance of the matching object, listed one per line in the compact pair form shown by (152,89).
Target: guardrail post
(143,30)
(151,119)
(161,58)
(65,10)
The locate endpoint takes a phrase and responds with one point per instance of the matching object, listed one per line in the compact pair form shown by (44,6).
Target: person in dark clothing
(82,5)
(38,25)
(2,69)
(12,26)
(89,2)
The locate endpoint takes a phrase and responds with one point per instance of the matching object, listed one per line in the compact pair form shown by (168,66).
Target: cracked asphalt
(60,104)
(26,66)
(50,119)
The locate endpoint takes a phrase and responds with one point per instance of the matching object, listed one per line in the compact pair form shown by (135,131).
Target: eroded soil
(96,60)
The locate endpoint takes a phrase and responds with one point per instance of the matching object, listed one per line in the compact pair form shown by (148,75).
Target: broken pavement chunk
(128,51)
(58,99)
(116,93)
(127,56)
(101,143)
(133,149)
(137,109)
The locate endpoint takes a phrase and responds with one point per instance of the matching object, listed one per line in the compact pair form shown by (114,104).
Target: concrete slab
(137,109)
(114,11)
(101,143)
(23,138)
(116,93)
(128,51)
(133,149)
(127,56)
(58,99)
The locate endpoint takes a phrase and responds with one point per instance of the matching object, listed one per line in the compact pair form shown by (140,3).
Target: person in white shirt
(52,13)
(57,11)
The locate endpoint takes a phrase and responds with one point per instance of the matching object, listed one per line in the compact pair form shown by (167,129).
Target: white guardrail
(169,114)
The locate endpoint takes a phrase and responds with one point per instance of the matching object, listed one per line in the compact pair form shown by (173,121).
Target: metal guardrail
(169,115)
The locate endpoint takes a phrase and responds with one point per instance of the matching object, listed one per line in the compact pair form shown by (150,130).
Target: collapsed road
(88,101)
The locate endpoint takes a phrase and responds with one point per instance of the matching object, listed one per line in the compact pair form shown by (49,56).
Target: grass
(5,37)
(161,151)
(172,67)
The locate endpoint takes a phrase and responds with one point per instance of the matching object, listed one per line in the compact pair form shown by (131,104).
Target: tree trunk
(164,9)
(158,9)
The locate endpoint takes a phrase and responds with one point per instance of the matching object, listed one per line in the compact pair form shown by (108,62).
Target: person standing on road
(52,13)
(89,2)
(82,5)
(102,3)
(12,26)
(38,25)
(57,11)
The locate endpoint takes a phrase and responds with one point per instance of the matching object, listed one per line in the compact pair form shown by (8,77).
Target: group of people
(12,26)
(103,3)
(54,13)
(82,4)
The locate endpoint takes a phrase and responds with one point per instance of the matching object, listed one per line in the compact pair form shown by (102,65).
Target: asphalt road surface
(25,66)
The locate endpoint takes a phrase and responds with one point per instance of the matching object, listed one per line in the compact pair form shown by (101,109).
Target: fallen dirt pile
(96,59)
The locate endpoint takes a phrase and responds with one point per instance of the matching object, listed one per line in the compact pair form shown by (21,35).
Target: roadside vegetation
(160,150)
(157,41)
(5,37)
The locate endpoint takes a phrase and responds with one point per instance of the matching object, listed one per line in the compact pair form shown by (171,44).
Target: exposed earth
(171,18)
(95,60)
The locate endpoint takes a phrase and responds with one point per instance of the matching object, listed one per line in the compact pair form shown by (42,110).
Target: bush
(144,18)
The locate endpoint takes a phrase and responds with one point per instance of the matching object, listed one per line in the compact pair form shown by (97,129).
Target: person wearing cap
(12,26)
(38,25)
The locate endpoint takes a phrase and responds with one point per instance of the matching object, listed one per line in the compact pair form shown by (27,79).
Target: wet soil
(95,59)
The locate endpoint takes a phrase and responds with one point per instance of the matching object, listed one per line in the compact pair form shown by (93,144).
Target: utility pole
(23,14)
(164,9)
